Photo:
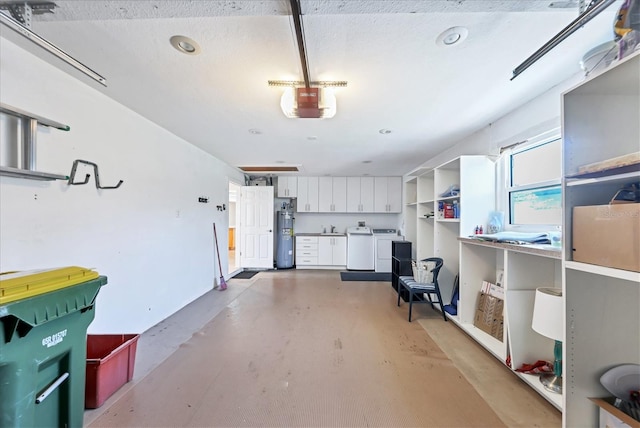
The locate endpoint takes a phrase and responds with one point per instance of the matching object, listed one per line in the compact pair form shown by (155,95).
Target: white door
(256,227)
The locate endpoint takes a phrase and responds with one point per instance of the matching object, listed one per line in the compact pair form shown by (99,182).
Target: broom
(222,284)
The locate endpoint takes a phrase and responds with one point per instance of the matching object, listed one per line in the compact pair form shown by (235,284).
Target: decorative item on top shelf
(548,310)
(496,222)
(626,28)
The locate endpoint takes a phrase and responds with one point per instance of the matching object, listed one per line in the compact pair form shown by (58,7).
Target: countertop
(540,250)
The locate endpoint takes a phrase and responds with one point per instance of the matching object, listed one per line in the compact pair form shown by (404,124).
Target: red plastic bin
(110,362)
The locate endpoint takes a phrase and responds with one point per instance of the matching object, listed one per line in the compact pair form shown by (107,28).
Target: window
(534,193)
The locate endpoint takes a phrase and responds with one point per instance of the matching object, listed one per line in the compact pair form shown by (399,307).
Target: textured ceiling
(429,96)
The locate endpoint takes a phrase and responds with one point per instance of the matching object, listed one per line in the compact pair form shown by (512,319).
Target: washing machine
(360,251)
(382,239)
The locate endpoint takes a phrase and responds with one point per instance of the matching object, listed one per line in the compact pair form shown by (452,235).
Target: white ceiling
(428,95)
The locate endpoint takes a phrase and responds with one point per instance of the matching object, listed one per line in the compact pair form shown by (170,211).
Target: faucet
(333,229)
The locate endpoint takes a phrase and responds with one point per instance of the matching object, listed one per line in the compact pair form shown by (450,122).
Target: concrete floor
(302,348)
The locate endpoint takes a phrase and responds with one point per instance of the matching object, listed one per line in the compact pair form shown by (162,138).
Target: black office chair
(414,288)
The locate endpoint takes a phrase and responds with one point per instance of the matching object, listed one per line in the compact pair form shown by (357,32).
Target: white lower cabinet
(321,252)
(306,251)
(332,251)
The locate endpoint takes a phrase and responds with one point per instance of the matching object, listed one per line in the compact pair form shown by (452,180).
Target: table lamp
(548,311)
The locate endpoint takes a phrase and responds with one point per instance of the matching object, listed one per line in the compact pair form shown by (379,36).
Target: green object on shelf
(43,356)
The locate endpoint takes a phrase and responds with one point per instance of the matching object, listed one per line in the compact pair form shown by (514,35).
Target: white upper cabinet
(360,194)
(332,194)
(388,194)
(307,195)
(287,186)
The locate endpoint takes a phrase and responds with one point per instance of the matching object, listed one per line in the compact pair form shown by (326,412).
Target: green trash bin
(43,340)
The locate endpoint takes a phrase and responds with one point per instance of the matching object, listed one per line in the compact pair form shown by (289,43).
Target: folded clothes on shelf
(515,237)
(453,190)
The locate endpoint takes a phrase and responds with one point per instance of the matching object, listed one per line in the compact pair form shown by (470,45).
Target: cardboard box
(488,317)
(611,416)
(492,290)
(607,235)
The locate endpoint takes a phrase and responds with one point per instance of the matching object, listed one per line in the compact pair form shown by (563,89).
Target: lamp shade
(548,311)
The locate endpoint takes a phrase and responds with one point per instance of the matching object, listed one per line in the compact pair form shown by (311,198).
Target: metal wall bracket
(22,11)
(25,165)
(86,178)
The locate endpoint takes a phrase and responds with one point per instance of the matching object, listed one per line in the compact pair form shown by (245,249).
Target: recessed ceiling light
(452,36)
(255,131)
(185,45)
(385,131)
(280,162)
(367,161)
(312,138)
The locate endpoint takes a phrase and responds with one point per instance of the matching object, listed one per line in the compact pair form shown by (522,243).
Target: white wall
(150,237)
(531,119)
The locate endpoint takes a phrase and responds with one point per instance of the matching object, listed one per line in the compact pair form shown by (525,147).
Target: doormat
(247,274)
(365,276)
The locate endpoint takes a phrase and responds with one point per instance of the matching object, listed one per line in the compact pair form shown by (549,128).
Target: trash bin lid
(21,285)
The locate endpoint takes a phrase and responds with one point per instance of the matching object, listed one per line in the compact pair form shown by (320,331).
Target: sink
(332,234)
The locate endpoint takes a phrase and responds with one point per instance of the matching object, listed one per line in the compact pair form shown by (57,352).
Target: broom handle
(215,235)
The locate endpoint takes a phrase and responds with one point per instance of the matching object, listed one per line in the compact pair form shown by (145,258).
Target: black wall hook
(86,178)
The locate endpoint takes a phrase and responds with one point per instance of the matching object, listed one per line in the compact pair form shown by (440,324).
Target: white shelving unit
(438,237)
(525,269)
(601,121)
